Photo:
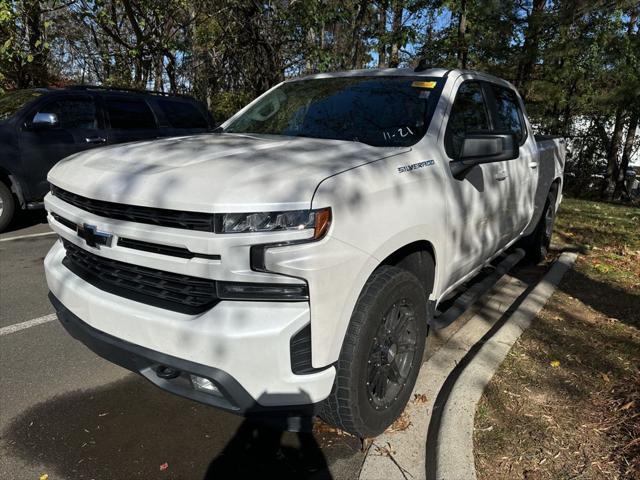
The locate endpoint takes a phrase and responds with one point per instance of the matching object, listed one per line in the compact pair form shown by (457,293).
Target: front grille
(163,249)
(141,245)
(133,213)
(168,290)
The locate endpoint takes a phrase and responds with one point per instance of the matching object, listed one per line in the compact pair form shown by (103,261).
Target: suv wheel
(7,206)
(381,355)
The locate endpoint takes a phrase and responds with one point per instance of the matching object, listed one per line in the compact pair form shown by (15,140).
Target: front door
(474,201)
(79,128)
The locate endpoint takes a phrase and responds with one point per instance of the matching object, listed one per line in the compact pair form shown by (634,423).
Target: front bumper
(242,346)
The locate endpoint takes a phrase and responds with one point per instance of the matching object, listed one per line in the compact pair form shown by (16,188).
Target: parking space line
(28,324)
(31,235)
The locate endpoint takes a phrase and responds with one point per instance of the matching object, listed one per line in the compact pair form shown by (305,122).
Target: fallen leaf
(419,398)
(44,476)
(605,377)
(627,406)
(555,363)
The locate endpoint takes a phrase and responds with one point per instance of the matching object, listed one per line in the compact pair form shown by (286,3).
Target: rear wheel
(537,244)
(381,354)
(7,206)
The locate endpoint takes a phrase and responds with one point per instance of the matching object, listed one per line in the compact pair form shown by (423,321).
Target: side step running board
(468,298)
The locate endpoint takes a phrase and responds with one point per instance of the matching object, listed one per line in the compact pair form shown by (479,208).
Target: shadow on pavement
(130,429)
(26,218)
(258,451)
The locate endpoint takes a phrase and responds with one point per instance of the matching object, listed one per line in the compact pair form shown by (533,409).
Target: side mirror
(485,148)
(44,120)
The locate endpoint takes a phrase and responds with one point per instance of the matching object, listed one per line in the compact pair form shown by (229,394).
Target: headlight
(318,220)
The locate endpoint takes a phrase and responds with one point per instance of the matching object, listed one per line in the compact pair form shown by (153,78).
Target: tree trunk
(396,32)
(616,172)
(530,46)
(158,83)
(621,186)
(462,30)
(171,71)
(381,31)
(612,157)
(356,60)
(37,68)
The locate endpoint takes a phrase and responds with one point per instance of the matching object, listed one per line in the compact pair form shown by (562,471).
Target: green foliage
(225,104)
(575,62)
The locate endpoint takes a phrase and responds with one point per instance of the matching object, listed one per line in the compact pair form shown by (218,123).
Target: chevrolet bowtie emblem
(93,236)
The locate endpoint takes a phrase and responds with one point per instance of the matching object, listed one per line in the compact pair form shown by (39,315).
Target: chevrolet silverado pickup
(291,262)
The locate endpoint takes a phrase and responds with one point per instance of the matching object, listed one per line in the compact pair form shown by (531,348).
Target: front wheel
(381,355)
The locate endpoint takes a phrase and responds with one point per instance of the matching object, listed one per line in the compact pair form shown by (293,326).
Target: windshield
(379,111)
(11,102)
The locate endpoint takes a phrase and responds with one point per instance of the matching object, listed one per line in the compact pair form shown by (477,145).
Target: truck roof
(403,72)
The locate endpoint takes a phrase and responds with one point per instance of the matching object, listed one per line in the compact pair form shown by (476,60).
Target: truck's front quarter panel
(377,209)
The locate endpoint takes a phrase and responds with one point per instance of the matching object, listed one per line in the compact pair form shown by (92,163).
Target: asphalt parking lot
(71,415)
(68,413)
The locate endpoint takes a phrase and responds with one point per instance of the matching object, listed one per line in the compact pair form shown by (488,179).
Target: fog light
(205,385)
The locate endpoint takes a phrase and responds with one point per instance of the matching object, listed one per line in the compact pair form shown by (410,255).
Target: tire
(536,245)
(7,206)
(381,354)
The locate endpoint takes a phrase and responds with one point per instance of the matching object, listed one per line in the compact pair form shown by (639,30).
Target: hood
(213,172)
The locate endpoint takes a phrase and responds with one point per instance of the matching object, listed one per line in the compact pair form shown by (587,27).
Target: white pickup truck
(292,262)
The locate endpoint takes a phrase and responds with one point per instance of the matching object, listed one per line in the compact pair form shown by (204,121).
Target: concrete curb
(450,436)
(400,455)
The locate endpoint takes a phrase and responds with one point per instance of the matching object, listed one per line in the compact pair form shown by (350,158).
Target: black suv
(39,127)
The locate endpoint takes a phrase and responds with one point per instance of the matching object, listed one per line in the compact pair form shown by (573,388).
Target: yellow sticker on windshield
(424,84)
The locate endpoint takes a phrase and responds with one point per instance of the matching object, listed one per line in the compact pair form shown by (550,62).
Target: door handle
(94,140)
(533,165)
(501,175)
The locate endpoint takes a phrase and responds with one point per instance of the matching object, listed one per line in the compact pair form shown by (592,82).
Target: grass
(566,402)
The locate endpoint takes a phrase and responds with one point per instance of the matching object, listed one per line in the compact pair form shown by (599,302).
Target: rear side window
(182,114)
(73,112)
(129,113)
(508,114)
(468,115)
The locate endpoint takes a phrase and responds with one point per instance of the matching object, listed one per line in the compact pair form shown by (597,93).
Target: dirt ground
(566,402)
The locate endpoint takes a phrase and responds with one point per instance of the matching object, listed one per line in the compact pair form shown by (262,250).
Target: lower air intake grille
(171,291)
(300,352)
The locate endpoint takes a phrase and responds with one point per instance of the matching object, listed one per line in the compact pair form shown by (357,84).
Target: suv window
(73,112)
(182,114)
(508,114)
(468,115)
(129,113)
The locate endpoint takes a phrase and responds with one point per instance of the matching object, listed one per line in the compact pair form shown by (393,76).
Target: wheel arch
(12,184)
(418,258)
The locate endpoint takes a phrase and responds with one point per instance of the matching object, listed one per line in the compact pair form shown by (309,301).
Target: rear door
(518,189)
(130,118)
(80,127)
